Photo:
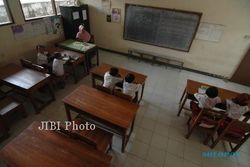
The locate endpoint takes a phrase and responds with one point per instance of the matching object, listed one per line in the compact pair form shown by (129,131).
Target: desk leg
(182,95)
(97,57)
(142,91)
(182,104)
(74,73)
(32,100)
(124,141)
(67,109)
(93,81)
(53,98)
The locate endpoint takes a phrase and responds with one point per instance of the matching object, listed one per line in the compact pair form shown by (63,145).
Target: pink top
(83,34)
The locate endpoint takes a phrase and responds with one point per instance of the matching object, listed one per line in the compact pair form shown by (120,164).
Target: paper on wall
(84,15)
(210,32)
(75,15)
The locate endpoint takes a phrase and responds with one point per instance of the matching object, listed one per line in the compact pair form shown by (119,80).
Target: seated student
(129,87)
(235,108)
(207,100)
(42,58)
(111,78)
(57,66)
(83,35)
(238,106)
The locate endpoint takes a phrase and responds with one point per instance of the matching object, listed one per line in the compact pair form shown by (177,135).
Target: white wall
(11,50)
(220,58)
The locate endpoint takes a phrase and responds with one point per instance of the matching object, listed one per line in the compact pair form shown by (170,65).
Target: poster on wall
(106,6)
(210,32)
(53,25)
(116,15)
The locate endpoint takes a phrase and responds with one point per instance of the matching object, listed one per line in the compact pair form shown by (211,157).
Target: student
(111,78)
(235,108)
(238,106)
(42,58)
(83,35)
(57,66)
(206,100)
(129,87)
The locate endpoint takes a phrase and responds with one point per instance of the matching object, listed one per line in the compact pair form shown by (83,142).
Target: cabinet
(72,17)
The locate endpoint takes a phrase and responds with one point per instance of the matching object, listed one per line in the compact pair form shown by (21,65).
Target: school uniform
(57,67)
(110,81)
(130,89)
(42,59)
(203,101)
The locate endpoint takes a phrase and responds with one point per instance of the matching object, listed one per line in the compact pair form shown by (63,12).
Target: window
(33,9)
(5,17)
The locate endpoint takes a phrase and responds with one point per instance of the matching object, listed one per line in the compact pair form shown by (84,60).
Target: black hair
(57,55)
(40,46)
(113,71)
(130,78)
(212,92)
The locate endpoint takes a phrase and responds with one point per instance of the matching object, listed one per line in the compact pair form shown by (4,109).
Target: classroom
(124,83)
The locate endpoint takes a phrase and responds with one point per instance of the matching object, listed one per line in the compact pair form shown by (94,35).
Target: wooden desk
(27,81)
(192,88)
(106,111)
(72,63)
(88,49)
(98,73)
(38,148)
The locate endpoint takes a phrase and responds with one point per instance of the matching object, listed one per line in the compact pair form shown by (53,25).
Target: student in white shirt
(129,87)
(111,78)
(238,106)
(42,58)
(206,100)
(57,66)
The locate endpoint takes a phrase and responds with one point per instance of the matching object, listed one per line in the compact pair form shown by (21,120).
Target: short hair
(113,71)
(130,78)
(57,55)
(212,92)
(40,47)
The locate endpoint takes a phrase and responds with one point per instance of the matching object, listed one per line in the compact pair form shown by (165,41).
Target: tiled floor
(158,138)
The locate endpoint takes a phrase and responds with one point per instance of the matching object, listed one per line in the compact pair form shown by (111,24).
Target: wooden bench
(155,58)
(7,107)
(98,138)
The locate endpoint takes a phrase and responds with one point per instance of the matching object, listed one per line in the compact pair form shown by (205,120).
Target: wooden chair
(8,106)
(97,138)
(26,63)
(39,68)
(227,135)
(104,89)
(247,116)
(122,95)
(205,116)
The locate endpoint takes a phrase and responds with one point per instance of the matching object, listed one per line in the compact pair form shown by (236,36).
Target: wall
(11,50)
(220,58)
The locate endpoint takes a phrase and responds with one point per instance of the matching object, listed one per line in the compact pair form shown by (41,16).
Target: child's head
(40,48)
(81,28)
(212,92)
(130,78)
(114,71)
(57,55)
(242,99)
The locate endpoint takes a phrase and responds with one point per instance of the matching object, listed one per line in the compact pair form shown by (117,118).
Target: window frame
(55,12)
(6,5)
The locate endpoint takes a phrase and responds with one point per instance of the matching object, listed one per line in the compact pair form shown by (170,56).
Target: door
(242,74)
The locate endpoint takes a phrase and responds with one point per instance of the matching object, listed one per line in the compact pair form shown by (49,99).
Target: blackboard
(162,27)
